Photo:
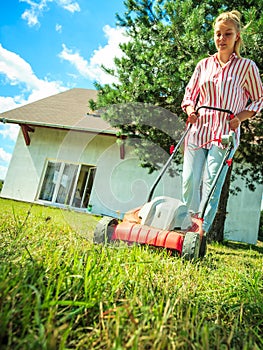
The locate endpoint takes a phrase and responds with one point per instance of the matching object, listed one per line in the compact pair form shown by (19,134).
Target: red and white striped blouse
(229,87)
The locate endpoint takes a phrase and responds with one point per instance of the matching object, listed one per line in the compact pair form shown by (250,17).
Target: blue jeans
(199,170)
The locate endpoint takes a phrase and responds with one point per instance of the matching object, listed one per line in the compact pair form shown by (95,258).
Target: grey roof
(66,110)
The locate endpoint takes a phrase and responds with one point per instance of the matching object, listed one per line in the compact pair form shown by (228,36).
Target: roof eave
(58,126)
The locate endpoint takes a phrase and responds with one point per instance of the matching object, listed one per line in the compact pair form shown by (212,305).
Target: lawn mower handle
(217,109)
(224,162)
(178,146)
(168,162)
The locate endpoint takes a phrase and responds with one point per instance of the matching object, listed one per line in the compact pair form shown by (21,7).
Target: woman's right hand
(192,117)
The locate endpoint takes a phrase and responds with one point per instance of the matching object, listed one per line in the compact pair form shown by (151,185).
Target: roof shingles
(67,110)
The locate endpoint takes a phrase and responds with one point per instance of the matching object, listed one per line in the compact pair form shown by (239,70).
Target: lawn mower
(165,222)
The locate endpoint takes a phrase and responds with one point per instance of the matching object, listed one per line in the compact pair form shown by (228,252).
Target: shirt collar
(232,56)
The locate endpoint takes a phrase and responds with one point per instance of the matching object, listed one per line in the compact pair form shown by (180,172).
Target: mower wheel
(191,246)
(104,230)
(203,245)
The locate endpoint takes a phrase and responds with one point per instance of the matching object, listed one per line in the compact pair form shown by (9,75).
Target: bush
(260,231)
(1,185)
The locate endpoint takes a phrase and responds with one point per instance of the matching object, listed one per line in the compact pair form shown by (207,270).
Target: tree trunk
(217,230)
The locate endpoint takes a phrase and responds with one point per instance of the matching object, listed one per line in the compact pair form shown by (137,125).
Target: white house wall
(119,184)
(28,161)
(22,176)
(242,221)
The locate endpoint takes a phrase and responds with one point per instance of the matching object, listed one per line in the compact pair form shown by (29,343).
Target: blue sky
(49,46)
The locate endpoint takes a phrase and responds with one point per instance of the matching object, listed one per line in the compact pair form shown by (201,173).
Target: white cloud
(18,72)
(9,131)
(4,156)
(31,17)
(102,56)
(3,171)
(69,5)
(105,55)
(59,28)
(7,103)
(15,68)
(36,9)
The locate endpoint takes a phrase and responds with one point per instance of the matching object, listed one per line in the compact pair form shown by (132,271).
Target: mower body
(164,222)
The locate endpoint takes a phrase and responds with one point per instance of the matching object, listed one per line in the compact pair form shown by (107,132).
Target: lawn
(60,291)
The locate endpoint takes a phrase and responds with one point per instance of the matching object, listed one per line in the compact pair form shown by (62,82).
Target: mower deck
(190,245)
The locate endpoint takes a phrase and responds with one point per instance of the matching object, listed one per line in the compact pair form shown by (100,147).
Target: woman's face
(225,36)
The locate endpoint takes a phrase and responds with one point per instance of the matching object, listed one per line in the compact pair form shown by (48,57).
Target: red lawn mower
(165,222)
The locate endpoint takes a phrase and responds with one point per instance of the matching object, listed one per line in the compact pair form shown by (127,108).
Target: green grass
(59,291)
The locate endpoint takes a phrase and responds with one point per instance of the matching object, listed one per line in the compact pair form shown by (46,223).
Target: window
(67,184)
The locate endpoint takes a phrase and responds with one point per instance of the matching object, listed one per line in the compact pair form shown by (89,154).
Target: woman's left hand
(234,123)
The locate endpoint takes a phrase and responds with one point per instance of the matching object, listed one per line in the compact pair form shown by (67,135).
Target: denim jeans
(200,167)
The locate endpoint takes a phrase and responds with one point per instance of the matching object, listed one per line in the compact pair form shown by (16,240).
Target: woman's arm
(240,117)
(255,90)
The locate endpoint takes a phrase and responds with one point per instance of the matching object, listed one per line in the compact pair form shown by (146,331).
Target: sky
(49,46)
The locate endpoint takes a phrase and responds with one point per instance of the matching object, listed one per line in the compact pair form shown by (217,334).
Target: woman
(223,80)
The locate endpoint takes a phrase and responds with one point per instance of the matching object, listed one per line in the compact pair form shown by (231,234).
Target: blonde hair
(235,17)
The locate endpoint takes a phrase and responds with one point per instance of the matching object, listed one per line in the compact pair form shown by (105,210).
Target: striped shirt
(229,87)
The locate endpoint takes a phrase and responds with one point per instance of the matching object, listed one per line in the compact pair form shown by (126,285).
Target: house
(67,157)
